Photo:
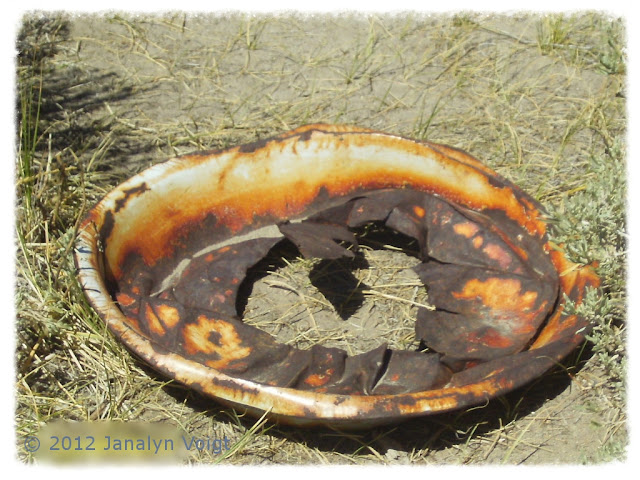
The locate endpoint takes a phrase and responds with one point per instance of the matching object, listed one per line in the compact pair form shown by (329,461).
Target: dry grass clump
(540,98)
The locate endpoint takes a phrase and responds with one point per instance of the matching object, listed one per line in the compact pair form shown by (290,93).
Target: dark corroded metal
(161,259)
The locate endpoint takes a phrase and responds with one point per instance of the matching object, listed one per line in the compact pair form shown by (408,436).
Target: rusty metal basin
(161,257)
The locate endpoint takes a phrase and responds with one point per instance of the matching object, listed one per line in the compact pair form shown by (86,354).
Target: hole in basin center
(354,304)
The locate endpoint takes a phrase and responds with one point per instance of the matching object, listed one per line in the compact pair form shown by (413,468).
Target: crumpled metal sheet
(161,259)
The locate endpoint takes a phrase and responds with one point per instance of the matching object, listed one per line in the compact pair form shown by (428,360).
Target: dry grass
(354,304)
(539,98)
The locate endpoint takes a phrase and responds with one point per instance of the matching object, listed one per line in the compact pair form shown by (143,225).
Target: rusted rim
(241,196)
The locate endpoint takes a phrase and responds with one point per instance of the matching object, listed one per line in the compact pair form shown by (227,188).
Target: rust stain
(228,348)
(153,321)
(170,316)
(491,338)
(496,252)
(466,229)
(125,300)
(318,379)
(499,294)
(176,265)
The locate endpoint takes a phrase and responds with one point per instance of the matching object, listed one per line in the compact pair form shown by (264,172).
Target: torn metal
(161,259)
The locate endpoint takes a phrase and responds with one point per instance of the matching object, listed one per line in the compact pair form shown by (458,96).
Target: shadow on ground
(434,433)
(66,108)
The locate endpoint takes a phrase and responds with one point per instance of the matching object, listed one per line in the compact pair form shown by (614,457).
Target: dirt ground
(535,97)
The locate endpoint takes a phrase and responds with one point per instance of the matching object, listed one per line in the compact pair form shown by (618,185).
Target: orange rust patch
(466,229)
(556,326)
(498,293)
(168,315)
(317,379)
(499,254)
(153,321)
(580,276)
(478,241)
(229,347)
(220,364)
(125,300)
(419,211)
(491,338)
